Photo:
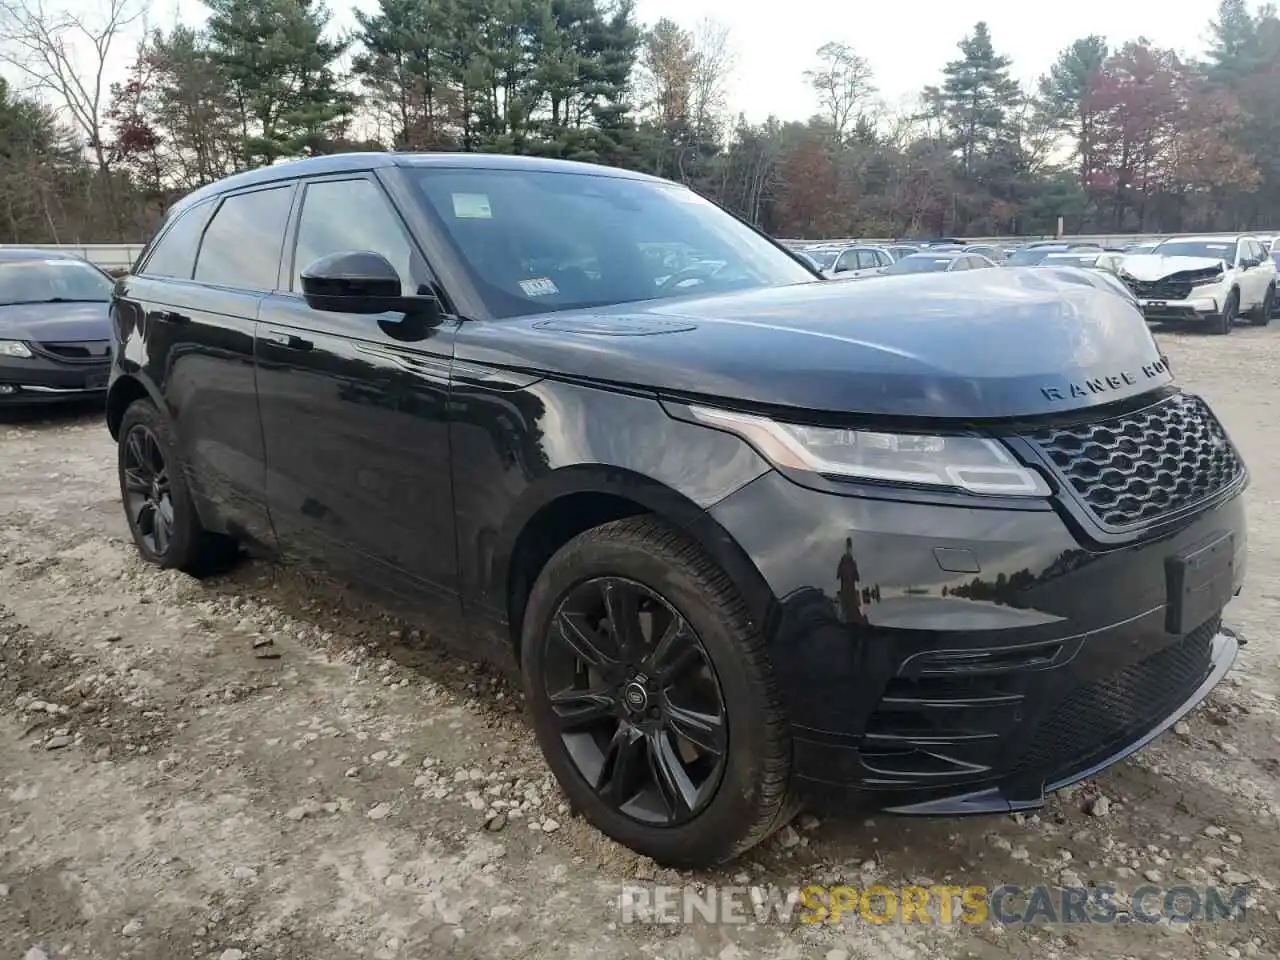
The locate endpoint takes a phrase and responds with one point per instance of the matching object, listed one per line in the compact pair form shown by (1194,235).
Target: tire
(1222,324)
(163,520)
(1261,315)
(751,796)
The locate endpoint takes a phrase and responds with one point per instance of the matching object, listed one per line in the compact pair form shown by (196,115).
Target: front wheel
(1226,320)
(157,501)
(652,696)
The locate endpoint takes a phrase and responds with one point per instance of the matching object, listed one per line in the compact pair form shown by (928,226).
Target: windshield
(535,242)
(1071,260)
(51,281)
(1029,256)
(1215,249)
(920,263)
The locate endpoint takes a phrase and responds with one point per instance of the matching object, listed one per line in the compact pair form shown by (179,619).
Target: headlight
(975,464)
(14,348)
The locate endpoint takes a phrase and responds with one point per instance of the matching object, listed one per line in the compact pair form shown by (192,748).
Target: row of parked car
(1212,280)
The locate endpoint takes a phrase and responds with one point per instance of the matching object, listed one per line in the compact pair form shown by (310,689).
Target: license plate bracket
(96,381)
(1200,581)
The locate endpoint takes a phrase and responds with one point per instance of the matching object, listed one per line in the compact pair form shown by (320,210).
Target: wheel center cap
(635,696)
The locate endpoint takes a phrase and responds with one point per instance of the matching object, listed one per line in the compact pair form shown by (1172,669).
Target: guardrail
(1102,239)
(108,256)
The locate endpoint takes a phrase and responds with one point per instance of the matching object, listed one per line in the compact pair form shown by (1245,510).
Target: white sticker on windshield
(1215,246)
(472,206)
(539,287)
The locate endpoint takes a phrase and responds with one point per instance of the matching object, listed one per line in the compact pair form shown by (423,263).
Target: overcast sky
(907,42)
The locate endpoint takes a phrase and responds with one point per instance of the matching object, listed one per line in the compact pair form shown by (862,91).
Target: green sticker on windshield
(472,206)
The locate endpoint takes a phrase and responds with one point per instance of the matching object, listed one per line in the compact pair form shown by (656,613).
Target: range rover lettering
(755,540)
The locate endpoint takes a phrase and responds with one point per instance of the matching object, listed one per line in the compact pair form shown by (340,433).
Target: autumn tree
(1243,61)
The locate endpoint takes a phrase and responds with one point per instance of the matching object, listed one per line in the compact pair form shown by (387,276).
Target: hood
(973,345)
(55,322)
(1150,266)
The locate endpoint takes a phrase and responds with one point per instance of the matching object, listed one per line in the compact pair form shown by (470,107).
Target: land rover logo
(1093,386)
(635,696)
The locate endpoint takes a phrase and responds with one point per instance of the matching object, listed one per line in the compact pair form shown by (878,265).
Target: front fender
(591,453)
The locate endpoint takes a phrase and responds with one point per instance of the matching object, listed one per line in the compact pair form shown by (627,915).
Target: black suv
(754,539)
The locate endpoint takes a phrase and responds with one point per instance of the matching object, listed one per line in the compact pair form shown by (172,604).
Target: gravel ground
(166,793)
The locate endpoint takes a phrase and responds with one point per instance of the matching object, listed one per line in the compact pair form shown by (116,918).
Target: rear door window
(174,255)
(241,248)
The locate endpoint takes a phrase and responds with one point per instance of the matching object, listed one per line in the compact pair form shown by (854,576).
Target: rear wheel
(1262,314)
(652,695)
(157,501)
(1226,320)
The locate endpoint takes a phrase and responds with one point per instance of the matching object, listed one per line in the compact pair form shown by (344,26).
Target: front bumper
(947,659)
(40,379)
(1200,309)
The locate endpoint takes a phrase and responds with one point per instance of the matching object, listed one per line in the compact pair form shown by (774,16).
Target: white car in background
(853,263)
(1208,280)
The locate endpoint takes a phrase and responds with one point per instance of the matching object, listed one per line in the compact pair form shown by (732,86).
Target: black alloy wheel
(148,498)
(653,696)
(637,702)
(157,502)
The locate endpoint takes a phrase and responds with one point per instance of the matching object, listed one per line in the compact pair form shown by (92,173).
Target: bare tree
(713,61)
(843,84)
(64,55)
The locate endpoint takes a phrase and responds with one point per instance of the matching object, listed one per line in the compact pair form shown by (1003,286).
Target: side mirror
(361,281)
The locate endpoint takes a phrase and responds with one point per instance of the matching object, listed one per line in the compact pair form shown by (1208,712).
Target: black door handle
(288,340)
(169,316)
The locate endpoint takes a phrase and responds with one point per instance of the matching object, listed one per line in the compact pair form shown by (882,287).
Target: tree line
(1127,138)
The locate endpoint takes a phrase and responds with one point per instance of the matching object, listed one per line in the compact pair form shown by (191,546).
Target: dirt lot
(165,793)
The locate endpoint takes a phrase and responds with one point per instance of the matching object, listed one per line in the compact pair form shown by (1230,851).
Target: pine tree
(978,95)
(281,73)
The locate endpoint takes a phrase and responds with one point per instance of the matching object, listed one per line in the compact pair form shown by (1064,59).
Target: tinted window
(350,215)
(241,248)
(52,281)
(848,261)
(535,241)
(978,263)
(867,260)
(174,255)
(959,263)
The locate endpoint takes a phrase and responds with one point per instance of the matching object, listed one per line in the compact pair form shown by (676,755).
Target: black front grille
(1160,289)
(1143,465)
(1102,717)
(84,351)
